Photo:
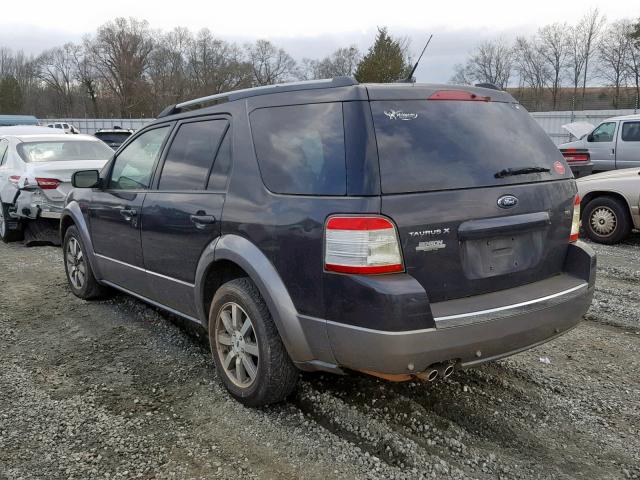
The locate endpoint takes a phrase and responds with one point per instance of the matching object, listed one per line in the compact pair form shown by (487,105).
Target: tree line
(561,56)
(126,69)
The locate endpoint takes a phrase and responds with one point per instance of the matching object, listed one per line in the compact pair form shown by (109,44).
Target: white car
(35,175)
(64,126)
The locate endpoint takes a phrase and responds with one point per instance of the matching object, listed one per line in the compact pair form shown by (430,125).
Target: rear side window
(221,165)
(300,148)
(191,155)
(631,132)
(440,145)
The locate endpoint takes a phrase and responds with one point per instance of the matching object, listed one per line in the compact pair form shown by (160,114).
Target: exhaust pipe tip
(432,375)
(448,371)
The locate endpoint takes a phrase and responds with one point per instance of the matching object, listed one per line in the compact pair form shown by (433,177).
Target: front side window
(191,155)
(604,132)
(631,131)
(63,150)
(300,148)
(133,167)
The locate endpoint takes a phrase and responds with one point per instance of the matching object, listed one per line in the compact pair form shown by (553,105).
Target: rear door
(602,146)
(467,227)
(628,145)
(182,215)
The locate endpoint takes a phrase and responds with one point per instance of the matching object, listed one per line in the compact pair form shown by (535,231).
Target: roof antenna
(410,78)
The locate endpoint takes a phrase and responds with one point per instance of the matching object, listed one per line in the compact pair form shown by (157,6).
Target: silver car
(610,204)
(35,176)
(612,145)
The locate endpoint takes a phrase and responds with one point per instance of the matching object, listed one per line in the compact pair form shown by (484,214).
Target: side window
(631,131)
(300,148)
(604,133)
(191,154)
(221,166)
(133,167)
(4,148)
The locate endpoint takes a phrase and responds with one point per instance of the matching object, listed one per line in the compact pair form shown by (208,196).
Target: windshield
(442,145)
(53,151)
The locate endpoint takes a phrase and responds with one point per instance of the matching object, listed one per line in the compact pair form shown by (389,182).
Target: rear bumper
(33,204)
(475,329)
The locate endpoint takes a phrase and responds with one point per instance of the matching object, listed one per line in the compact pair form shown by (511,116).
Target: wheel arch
(588,197)
(231,256)
(72,216)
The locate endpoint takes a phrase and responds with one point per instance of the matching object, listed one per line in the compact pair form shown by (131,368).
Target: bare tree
(216,66)
(56,68)
(86,75)
(490,62)
(555,47)
(591,27)
(269,64)
(121,51)
(613,53)
(633,61)
(531,66)
(341,63)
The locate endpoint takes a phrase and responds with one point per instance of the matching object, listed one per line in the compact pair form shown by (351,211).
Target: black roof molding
(255,91)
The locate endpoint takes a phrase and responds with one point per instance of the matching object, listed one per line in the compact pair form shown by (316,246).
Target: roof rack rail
(255,91)
(488,85)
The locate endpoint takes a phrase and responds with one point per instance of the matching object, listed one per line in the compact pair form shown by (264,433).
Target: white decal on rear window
(400,115)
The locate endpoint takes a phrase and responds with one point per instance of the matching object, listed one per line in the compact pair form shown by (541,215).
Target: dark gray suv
(401,230)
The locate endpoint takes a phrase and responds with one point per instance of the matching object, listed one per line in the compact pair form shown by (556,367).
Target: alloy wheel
(236,344)
(3,224)
(603,221)
(76,267)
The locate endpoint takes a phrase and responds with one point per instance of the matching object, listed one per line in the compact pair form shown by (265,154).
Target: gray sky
(309,29)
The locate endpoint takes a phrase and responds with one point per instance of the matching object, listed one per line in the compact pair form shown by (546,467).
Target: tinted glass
(63,151)
(191,155)
(439,145)
(300,148)
(134,166)
(604,133)
(113,137)
(631,132)
(221,166)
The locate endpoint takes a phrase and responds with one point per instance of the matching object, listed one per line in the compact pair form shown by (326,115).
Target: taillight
(362,245)
(459,95)
(48,183)
(15,179)
(573,156)
(575,222)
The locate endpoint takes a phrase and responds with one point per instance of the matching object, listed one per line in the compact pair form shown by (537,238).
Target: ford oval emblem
(507,201)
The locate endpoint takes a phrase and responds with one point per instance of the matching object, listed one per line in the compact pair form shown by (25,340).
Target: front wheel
(250,359)
(606,220)
(77,267)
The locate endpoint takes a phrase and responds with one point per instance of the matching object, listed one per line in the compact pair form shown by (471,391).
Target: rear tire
(606,220)
(251,361)
(80,276)
(10,229)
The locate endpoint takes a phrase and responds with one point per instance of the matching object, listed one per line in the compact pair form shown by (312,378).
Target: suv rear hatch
(482,198)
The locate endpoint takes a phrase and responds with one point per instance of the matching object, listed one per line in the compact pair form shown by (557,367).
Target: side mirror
(590,137)
(86,179)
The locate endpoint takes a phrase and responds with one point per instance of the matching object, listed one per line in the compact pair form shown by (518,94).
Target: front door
(114,213)
(183,214)
(602,146)
(628,146)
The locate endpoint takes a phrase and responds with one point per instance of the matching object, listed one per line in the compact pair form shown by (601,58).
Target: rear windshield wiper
(507,172)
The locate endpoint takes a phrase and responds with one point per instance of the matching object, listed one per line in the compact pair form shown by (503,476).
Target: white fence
(551,122)
(90,125)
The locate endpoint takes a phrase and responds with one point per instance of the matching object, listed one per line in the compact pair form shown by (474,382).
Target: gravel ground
(118,389)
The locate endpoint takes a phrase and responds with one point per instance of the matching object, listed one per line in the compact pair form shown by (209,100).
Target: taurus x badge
(400,115)
(507,201)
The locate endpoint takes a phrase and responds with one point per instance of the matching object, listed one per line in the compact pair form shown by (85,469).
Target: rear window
(113,137)
(300,148)
(63,151)
(441,145)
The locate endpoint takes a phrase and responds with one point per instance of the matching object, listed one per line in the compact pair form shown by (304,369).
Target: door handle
(128,213)
(200,221)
